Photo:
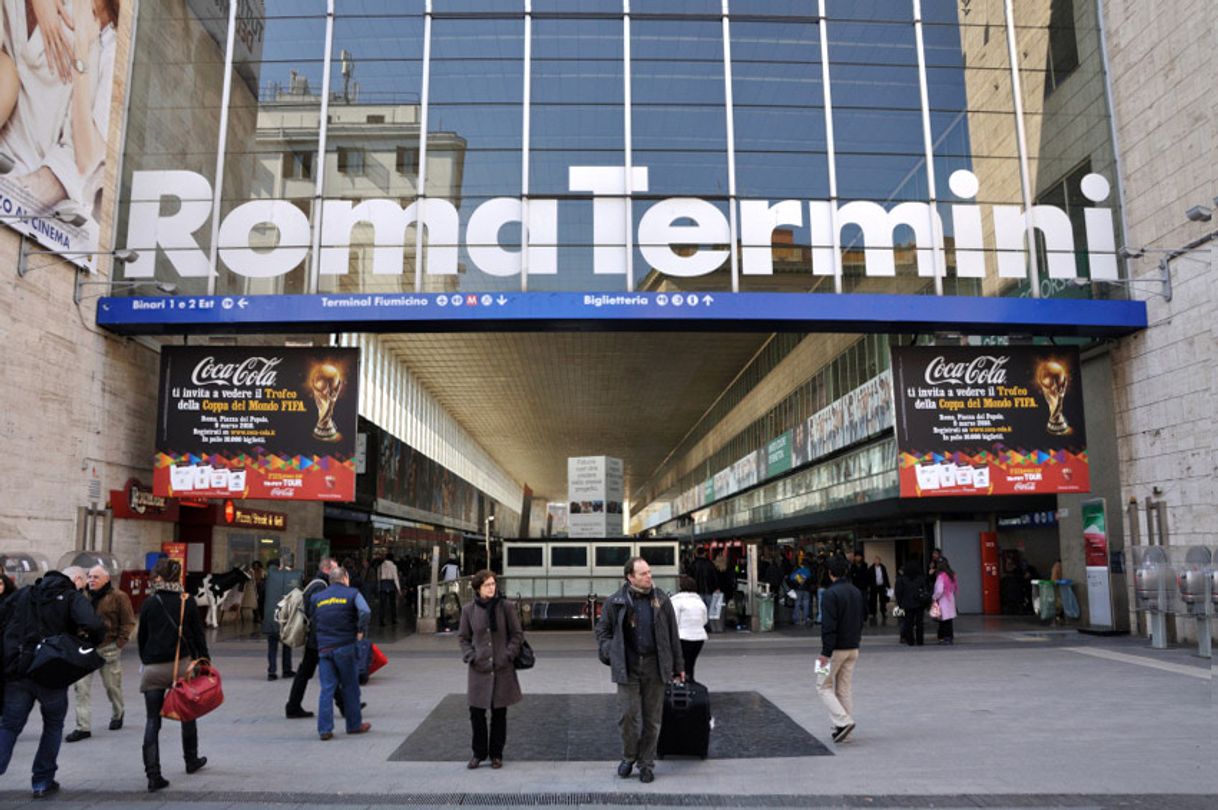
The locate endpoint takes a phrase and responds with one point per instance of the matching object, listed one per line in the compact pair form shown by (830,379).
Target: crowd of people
(646,637)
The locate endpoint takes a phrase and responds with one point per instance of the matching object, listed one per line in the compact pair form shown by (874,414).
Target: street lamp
(487,529)
(162,286)
(123,255)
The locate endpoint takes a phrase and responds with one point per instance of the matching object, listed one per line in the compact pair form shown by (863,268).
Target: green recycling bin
(1046,603)
(765,612)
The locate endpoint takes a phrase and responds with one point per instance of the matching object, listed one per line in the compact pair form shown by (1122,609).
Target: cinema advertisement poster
(990,421)
(257,422)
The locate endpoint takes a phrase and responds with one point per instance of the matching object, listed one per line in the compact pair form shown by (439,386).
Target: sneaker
(77,735)
(116,723)
(42,791)
(624,768)
(840,733)
(327,735)
(646,775)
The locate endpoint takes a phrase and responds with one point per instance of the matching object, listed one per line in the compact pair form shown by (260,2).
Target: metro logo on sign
(683,237)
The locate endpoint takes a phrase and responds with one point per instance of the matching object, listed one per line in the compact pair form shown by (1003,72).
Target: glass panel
(568,556)
(1066,116)
(658,555)
(525,556)
(612,555)
(476,109)
(680,137)
(271,151)
(173,124)
(372,145)
(578,120)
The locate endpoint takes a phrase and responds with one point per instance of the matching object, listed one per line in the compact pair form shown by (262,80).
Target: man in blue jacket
(339,616)
(841,630)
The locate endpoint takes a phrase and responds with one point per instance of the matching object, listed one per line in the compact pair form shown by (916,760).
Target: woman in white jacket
(691,622)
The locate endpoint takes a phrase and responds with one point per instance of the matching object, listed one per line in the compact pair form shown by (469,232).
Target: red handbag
(197,692)
(377,660)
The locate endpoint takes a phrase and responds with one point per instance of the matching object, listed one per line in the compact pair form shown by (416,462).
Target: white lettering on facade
(679,236)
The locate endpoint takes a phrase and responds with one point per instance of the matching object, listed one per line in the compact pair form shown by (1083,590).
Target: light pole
(487,528)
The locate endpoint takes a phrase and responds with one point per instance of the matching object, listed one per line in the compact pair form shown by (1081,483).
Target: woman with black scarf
(490,637)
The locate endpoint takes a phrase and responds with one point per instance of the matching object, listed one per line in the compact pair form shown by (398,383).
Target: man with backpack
(280,581)
(913,596)
(50,607)
(308,663)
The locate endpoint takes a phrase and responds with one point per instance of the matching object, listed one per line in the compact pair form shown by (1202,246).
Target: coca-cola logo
(251,371)
(985,369)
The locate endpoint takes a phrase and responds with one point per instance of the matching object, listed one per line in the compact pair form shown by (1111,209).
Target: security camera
(1199,213)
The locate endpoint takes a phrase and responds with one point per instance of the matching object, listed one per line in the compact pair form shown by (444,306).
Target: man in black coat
(841,631)
(706,576)
(52,606)
(637,639)
(877,591)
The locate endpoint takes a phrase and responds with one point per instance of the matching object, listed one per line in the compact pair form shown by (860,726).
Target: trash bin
(1070,608)
(765,612)
(1046,599)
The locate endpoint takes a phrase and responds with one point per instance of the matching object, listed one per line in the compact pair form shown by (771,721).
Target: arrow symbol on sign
(706,299)
(501,300)
(242,303)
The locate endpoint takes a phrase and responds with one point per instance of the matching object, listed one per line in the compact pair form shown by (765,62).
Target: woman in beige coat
(490,637)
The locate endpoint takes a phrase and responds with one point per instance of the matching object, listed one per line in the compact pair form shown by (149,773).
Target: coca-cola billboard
(998,420)
(257,422)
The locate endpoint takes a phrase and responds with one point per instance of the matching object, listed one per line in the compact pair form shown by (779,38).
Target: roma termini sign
(680,237)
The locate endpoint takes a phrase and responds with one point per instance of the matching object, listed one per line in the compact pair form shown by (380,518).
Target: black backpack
(922,594)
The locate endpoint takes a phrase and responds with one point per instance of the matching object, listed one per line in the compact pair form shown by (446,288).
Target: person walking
(280,579)
(168,618)
(840,634)
(945,601)
(705,575)
(339,617)
(877,591)
(637,639)
(691,615)
(51,606)
(114,608)
(913,597)
(390,589)
(801,582)
(490,637)
(295,709)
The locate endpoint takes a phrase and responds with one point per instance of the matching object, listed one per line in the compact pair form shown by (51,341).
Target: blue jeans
(803,607)
(338,668)
(820,602)
(19,697)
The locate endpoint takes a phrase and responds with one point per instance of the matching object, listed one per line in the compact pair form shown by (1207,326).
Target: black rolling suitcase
(685,729)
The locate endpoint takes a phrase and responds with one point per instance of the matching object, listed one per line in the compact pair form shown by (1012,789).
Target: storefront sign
(990,421)
(254,518)
(257,422)
(137,501)
(778,455)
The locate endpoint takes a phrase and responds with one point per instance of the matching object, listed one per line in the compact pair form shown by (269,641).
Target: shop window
(569,556)
(659,555)
(524,557)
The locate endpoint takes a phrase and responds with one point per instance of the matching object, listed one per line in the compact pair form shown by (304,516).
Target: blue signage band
(617,311)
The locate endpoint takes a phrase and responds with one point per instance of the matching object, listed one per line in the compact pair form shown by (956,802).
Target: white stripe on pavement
(1179,669)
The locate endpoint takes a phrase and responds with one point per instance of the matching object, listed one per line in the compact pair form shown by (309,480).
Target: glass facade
(755,145)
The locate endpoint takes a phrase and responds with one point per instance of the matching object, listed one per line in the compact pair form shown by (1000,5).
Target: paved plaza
(1013,716)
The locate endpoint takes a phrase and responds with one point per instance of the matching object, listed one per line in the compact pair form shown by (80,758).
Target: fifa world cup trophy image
(1053,379)
(326,382)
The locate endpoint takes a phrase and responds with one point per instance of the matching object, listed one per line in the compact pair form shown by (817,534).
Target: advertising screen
(257,422)
(990,421)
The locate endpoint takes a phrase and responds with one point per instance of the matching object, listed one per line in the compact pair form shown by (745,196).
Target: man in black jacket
(637,639)
(840,632)
(51,606)
(706,576)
